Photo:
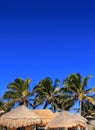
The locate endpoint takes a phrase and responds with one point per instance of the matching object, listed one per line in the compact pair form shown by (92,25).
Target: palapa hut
(19,117)
(65,120)
(46,115)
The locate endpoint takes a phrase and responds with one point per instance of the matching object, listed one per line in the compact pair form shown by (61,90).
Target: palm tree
(76,88)
(17,92)
(46,93)
(49,95)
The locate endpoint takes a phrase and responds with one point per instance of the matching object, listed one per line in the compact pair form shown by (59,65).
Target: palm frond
(9,95)
(14,87)
(18,91)
(85,80)
(88,98)
(88,91)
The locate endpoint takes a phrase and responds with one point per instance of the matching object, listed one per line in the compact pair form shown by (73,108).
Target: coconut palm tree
(17,92)
(46,93)
(49,95)
(76,87)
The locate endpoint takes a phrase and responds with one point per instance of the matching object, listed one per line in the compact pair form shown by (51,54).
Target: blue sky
(40,38)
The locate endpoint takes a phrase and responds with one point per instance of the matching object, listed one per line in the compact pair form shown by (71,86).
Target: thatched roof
(64,120)
(81,118)
(45,115)
(18,117)
(91,125)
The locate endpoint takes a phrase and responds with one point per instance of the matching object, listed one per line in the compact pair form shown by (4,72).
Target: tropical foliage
(46,93)
(76,87)
(17,92)
(53,95)
(88,110)
(50,96)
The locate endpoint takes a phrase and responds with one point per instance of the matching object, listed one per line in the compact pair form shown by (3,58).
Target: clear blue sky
(40,38)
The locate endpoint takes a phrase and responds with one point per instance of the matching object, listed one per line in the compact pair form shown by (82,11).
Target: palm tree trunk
(80,103)
(45,105)
(24,102)
(53,108)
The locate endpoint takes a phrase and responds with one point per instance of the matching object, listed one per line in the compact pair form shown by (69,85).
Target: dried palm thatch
(91,125)
(19,117)
(65,120)
(45,115)
(81,118)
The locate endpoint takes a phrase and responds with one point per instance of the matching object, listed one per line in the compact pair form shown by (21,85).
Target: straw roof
(19,117)
(45,114)
(81,118)
(91,125)
(64,120)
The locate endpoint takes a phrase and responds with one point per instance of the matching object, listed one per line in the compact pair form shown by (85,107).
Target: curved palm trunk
(45,105)
(80,103)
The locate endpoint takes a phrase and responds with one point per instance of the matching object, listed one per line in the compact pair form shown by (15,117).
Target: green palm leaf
(18,92)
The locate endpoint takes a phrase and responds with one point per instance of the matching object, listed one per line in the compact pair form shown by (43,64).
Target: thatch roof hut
(45,114)
(19,117)
(64,120)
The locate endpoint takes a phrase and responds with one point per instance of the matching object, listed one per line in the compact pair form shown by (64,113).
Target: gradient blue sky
(40,38)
